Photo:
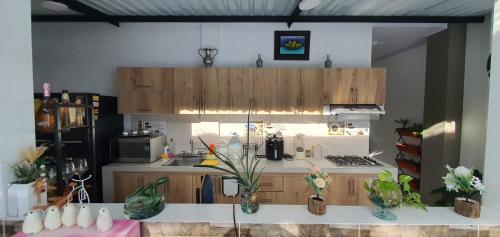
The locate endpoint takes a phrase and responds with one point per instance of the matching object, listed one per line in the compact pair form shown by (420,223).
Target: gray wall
(442,106)
(83,56)
(404,97)
(17,125)
(475,104)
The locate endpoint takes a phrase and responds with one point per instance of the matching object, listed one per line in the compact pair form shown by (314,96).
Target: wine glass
(81,166)
(68,170)
(51,175)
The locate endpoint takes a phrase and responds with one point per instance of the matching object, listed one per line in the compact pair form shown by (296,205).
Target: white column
(492,153)
(17,126)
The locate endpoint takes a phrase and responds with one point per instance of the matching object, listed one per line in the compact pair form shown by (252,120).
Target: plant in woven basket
(145,201)
(385,192)
(463,181)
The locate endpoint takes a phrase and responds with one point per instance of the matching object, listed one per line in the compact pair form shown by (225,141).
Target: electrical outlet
(156,125)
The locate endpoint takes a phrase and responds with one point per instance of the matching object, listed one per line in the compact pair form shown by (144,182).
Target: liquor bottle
(45,115)
(65,118)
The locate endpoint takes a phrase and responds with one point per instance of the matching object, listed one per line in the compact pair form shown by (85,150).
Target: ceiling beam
(296,12)
(358,19)
(89,11)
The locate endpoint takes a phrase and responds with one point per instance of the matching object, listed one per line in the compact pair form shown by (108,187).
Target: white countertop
(222,214)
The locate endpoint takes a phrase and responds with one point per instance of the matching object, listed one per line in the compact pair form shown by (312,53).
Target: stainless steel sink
(184,161)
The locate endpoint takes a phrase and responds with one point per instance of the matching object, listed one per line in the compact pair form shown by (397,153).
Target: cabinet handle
(145,110)
(266,184)
(202,104)
(266,200)
(356,90)
(352,95)
(351,187)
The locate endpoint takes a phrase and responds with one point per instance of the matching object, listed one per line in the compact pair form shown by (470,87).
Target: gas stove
(353,161)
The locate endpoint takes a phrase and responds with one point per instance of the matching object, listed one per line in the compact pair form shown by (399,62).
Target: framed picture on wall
(291,45)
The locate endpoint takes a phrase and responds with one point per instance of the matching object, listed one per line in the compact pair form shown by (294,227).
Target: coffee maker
(274,147)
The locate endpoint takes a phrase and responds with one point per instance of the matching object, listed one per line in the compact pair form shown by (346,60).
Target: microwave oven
(137,149)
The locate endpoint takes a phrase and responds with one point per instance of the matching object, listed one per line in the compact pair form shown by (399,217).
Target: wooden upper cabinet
(370,87)
(264,89)
(311,82)
(241,89)
(354,86)
(287,92)
(209,90)
(187,91)
(145,90)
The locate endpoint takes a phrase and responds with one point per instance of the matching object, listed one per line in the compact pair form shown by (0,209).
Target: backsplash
(336,137)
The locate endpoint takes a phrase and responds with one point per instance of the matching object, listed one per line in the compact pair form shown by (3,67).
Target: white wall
(84,56)
(492,160)
(17,119)
(475,102)
(404,97)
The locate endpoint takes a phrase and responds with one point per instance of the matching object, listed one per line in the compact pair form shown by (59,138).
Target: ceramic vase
(104,221)
(69,215)
(84,218)
(32,223)
(328,62)
(52,218)
(259,62)
(249,202)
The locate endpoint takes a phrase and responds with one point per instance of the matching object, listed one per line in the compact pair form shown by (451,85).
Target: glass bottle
(45,115)
(80,111)
(65,119)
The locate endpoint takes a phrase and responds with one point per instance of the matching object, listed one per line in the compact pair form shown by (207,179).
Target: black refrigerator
(90,141)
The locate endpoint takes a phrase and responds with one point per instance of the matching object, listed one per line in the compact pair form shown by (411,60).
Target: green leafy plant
(393,193)
(249,174)
(145,201)
(27,170)
(317,180)
(462,180)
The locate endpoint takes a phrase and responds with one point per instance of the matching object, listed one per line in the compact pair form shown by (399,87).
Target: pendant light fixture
(305,5)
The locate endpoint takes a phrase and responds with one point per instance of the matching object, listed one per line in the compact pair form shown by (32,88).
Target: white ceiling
(281,7)
(390,39)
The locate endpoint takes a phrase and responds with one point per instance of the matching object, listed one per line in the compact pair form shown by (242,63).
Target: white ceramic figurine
(84,219)
(52,219)
(104,221)
(69,215)
(32,223)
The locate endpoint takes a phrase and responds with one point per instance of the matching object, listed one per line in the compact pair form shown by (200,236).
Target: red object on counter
(211,151)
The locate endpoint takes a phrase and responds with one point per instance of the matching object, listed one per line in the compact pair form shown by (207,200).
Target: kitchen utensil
(68,170)
(298,142)
(81,166)
(317,151)
(208,55)
(274,147)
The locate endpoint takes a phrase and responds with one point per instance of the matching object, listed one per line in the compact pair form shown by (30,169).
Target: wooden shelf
(410,149)
(408,165)
(52,130)
(404,132)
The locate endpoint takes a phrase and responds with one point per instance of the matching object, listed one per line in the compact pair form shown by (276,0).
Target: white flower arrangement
(317,179)
(462,180)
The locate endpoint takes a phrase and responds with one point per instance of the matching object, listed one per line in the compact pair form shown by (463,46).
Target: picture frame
(291,45)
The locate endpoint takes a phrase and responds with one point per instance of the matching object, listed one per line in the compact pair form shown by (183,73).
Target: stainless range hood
(354,111)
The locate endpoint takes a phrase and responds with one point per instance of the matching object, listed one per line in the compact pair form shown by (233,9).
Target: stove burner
(352,161)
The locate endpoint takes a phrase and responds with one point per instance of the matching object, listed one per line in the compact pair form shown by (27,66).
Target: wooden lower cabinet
(345,189)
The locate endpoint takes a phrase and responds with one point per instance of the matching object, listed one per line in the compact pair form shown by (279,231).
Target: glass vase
(249,202)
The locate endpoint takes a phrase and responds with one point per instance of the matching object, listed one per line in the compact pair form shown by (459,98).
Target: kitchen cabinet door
(187,91)
(363,195)
(265,87)
(287,91)
(148,178)
(224,94)
(348,189)
(370,86)
(240,89)
(339,86)
(295,190)
(311,88)
(270,198)
(271,183)
(125,184)
(209,89)
(180,188)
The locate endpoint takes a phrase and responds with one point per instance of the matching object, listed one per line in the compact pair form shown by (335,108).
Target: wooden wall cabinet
(311,86)
(145,90)
(235,90)
(355,86)
(265,84)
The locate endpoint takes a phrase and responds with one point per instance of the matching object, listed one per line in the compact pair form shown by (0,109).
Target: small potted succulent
(463,181)
(28,189)
(318,181)
(385,193)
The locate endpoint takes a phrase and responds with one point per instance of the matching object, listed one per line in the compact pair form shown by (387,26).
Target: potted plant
(318,181)
(463,181)
(245,170)
(28,189)
(385,193)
